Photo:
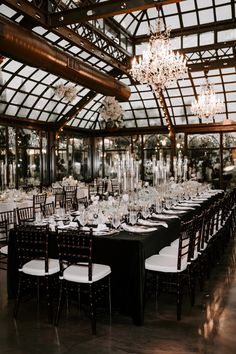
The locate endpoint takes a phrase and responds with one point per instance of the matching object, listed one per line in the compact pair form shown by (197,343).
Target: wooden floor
(207,328)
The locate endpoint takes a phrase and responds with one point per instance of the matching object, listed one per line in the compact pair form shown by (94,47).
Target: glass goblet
(116,220)
(132,217)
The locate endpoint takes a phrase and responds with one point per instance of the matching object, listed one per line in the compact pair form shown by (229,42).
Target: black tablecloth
(126,253)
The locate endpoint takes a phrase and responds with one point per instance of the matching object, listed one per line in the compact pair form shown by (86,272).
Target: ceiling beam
(209,27)
(102,10)
(167,115)
(213,64)
(29,48)
(25,122)
(74,111)
(29,10)
(39,17)
(206,128)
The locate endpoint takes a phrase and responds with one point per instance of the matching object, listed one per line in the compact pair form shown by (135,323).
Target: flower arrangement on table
(111,113)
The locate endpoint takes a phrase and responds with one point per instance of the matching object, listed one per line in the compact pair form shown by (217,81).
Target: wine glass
(116,220)
(83,218)
(145,212)
(132,217)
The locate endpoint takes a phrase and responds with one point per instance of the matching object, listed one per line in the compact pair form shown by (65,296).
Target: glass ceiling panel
(30,92)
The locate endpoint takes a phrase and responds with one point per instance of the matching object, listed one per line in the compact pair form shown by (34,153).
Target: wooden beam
(29,48)
(39,17)
(206,128)
(103,10)
(213,64)
(167,116)
(74,111)
(186,31)
(27,123)
(29,10)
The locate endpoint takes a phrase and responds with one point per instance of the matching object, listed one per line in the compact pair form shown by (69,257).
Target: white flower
(69,93)
(111,110)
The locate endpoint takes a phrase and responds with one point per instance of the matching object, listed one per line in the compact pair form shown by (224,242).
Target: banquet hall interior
(117,176)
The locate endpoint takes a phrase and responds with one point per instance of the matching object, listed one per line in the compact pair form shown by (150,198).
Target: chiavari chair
(172,272)
(77,269)
(33,260)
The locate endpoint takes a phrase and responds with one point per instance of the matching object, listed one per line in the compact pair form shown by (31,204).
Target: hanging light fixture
(206,105)
(159,66)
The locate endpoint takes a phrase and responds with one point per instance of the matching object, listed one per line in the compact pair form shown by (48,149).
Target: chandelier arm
(159,66)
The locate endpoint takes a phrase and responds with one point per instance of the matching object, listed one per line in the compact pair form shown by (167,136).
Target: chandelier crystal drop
(159,66)
(207,105)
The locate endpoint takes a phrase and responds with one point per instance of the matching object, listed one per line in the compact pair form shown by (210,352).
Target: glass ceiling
(204,30)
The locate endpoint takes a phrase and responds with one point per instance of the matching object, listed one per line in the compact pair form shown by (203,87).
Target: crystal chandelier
(206,105)
(159,66)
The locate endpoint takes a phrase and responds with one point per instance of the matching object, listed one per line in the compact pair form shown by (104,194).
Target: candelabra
(128,172)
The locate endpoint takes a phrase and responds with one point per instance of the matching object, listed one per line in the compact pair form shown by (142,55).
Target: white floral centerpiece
(111,113)
(68,93)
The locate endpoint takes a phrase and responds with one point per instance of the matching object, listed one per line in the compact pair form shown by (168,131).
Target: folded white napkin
(138,229)
(190,203)
(164,216)
(182,207)
(169,211)
(102,227)
(152,223)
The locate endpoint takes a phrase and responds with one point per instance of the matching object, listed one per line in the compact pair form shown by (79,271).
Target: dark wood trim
(103,10)
(26,123)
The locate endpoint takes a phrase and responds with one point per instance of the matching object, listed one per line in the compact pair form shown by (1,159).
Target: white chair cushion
(204,246)
(79,274)
(37,267)
(165,264)
(169,251)
(175,243)
(4,250)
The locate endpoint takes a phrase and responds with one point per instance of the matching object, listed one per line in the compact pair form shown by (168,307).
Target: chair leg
(60,304)
(49,299)
(92,309)
(179,296)
(109,297)
(18,299)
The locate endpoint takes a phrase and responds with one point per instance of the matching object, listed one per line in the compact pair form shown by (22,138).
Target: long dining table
(125,252)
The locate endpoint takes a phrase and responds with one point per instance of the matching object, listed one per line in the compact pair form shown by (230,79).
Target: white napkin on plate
(152,223)
(164,216)
(138,229)
(182,207)
(101,227)
(172,212)
(190,203)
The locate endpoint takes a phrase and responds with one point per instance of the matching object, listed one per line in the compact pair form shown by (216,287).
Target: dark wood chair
(59,199)
(3,245)
(76,268)
(32,249)
(39,200)
(171,270)
(25,215)
(7,222)
(48,209)
(70,189)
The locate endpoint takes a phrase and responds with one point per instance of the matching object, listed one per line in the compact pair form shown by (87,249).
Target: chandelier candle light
(159,66)
(207,105)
